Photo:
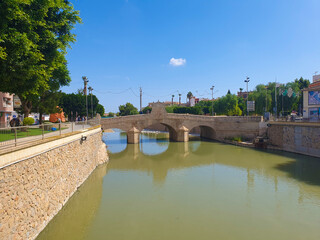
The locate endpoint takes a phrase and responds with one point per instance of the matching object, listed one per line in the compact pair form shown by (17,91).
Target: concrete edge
(32,151)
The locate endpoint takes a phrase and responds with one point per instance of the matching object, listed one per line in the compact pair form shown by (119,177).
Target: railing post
(60,128)
(15,137)
(42,131)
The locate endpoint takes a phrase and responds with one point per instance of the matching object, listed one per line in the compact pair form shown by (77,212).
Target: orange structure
(54,117)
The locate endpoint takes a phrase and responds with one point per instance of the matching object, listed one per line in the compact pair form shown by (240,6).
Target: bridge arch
(172,132)
(205,131)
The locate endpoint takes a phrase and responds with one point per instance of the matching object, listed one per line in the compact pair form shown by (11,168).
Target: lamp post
(247,81)
(85,81)
(179,99)
(172,100)
(212,99)
(90,91)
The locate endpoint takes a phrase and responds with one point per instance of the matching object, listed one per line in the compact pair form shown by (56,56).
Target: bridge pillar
(182,134)
(133,136)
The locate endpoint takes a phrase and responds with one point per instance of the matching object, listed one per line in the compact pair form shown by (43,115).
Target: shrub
(28,121)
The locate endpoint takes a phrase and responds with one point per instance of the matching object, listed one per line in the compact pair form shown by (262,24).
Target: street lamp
(85,81)
(172,100)
(212,99)
(247,81)
(90,91)
(179,99)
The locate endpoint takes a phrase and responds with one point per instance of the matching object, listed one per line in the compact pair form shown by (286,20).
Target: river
(196,190)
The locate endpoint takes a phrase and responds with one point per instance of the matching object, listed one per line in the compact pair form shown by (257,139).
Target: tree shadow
(302,168)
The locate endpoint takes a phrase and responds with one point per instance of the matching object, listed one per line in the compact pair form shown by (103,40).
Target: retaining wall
(301,138)
(42,179)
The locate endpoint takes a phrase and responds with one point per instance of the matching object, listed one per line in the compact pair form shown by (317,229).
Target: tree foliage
(75,105)
(34,36)
(227,105)
(265,98)
(100,109)
(127,109)
(147,110)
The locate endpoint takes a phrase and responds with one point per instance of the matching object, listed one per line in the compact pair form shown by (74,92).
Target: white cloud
(177,62)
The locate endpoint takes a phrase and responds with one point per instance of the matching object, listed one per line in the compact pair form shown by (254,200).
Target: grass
(6,135)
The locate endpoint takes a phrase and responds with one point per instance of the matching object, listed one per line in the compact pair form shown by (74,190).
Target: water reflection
(157,155)
(196,190)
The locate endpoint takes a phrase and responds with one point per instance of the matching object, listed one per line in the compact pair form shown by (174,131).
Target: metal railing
(13,137)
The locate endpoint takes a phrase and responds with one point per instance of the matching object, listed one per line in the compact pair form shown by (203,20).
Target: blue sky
(126,44)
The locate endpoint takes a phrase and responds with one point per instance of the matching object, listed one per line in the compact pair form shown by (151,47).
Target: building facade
(6,109)
(311,100)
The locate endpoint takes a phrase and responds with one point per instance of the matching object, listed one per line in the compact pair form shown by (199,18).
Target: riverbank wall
(36,182)
(303,138)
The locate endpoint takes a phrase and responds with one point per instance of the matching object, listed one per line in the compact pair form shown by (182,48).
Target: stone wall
(33,190)
(301,138)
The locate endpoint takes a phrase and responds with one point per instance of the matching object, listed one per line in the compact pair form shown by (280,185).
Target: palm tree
(189,96)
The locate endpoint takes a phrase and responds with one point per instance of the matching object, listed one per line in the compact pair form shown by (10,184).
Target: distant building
(168,103)
(311,100)
(6,108)
(316,78)
(244,95)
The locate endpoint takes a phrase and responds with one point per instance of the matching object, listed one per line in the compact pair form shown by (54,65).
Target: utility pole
(172,100)
(85,81)
(140,99)
(275,100)
(247,81)
(266,98)
(212,99)
(90,91)
(179,99)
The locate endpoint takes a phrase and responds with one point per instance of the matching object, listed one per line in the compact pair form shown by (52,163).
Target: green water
(195,190)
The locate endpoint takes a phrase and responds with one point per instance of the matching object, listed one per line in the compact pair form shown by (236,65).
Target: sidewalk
(11,145)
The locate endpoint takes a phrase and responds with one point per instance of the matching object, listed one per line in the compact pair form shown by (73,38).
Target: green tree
(34,36)
(205,106)
(189,96)
(110,114)
(75,105)
(147,110)
(47,103)
(127,109)
(100,110)
(227,105)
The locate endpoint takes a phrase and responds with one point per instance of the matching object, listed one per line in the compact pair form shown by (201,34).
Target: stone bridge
(179,125)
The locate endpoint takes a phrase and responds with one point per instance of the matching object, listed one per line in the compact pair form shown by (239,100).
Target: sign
(314,97)
(290,92)
(16,102)
(251,106)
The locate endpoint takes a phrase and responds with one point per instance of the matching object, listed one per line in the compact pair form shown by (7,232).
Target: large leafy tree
(227,105)
(127,109)
(34,37)
(74,104)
